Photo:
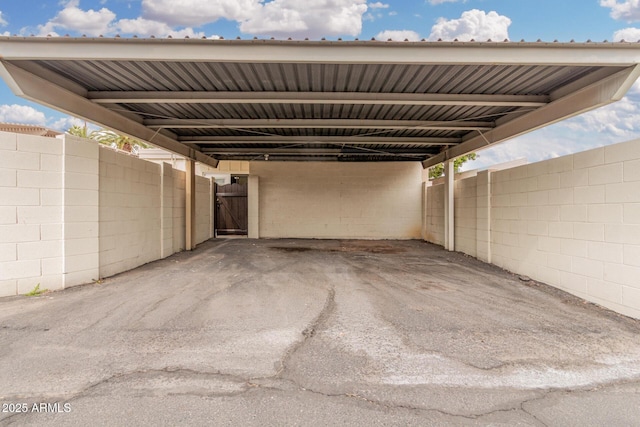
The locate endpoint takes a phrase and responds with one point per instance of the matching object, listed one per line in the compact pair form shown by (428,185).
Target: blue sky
(530,20)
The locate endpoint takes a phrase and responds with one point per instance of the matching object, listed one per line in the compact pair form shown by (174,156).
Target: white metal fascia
(603,92)
(314,123)
(35,88)
(310,140)
(351,98)
(584,54)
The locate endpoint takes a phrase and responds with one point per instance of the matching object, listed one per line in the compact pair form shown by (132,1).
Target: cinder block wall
(31,213)
(203,210)
(572,222)
(72,212)
(337,200)
(179,219)
(465,214)
(130,212)
(434,213)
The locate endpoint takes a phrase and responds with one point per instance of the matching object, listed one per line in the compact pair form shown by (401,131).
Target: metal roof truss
(299,100)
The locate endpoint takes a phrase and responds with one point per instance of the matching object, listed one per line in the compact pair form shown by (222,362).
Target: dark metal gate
(231,209)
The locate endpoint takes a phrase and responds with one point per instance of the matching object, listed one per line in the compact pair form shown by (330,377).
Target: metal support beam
(317,152)
(595,95)
(449,208)
(43,91)
(190,206)
(319,140)
(315,124)
(350,98)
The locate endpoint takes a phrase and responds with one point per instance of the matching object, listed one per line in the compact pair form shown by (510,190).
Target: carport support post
(190,205)
(254,207)
(449,226)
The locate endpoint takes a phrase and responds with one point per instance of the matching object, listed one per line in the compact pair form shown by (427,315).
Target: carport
(326,329)
(337,134)
(317,101)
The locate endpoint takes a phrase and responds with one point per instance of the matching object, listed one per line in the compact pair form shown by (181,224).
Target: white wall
(72,211)
(81,211)
(434,213)
(31,213)
(572,222)
(465,214)
(339,200)
(204,212)
(130,212)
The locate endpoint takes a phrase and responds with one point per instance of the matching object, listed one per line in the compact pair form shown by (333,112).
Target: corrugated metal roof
(211,83)
(367,78)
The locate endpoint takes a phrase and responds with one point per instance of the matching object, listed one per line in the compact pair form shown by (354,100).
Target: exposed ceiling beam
(316,151)
(309,140)
(174,97)
(327,158)
(595,95)
(32,87)
(314,124)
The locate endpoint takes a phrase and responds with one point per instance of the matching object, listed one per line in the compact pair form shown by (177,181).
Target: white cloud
(611,124)
(628,10)
(618,121)
(3,21)
(629,34)
(313,18)
(65,123)
(90,22)
(146,27)
(198,12)
(398,35)
(378,5)
(473,24)
(21,114)
(436,2)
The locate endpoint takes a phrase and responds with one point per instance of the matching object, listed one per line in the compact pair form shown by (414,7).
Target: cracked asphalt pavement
(312,332)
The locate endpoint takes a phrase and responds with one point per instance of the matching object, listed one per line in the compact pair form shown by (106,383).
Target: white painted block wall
(179,218)
(130,212)
(572,222)
(31,213)
(338,200)
(434,213)
(72,211)
(465,216)
(203,209)
(81,228)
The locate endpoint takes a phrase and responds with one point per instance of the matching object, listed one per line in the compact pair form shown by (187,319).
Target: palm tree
(107,137)
(80,131)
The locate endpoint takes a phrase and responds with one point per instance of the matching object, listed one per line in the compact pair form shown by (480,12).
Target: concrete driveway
(306,332)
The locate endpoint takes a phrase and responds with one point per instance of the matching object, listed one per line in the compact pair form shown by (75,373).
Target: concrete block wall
(572,222)
(179,219)
(483,216)
(434,214)
(167,190)
(204,211)
(337,200)
(72,211)
(31,213)
(81,179)
(130,212)
(465,214)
